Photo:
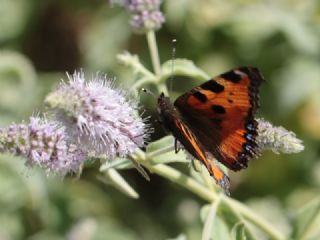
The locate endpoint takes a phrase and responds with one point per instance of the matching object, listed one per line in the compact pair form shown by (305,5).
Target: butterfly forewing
(176,124)
(220,113)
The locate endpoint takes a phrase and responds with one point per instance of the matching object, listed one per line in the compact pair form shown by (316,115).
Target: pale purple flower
(142,5)
(277,139)
(145,15)
(97,116)
(43,144)
(147,20)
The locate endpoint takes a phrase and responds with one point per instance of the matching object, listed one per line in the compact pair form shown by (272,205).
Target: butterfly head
(164,103)
(166,109)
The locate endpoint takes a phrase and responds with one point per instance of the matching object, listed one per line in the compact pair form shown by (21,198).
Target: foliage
(277,197)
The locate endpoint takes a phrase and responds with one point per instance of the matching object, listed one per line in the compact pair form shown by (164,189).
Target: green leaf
(182,67)
(111,176)
(314,237)
(219,229)
(124,163)
(17,80)
(161,143)
(304,218)
(170,157)
(179,237)
(132,61)
(215,226)
(231,215)
(238,232)
(118,163)
(162,151)
(208,225)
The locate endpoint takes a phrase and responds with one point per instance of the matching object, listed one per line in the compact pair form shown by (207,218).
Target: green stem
(255,219)
(162,88)
(210,196)
(182,179)
(153,48)
(137,85)
(134,63)
(175,176)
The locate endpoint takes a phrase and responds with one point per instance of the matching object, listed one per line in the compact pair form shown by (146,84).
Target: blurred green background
(42,39)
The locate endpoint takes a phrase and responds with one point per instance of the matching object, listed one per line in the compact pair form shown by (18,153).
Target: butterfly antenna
(172,62)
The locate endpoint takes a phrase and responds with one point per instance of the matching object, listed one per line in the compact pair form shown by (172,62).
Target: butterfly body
(216,120)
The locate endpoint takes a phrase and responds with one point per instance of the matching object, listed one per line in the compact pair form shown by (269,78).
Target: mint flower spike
(277,139)
(146,21)
(142,5)
(97,116)
(43,144)
(145,15)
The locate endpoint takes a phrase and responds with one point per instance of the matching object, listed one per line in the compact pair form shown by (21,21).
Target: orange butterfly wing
(189,140)
(220,113)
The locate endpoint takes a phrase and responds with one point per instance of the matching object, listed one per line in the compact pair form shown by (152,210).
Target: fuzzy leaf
(161,143)
(170,157)
(117,163)
(162,151)
(218,228)
(182,67)
(238,232)
(179,237)
(111,176)
(304,218)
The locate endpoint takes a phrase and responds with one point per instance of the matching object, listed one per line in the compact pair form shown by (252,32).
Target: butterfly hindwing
(220,113)
(190,142)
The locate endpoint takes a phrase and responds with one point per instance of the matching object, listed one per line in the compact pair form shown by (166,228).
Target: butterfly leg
(176,145)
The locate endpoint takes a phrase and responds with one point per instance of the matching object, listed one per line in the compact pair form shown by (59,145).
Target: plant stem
(197,188)
(134,63)
(204,193)
(153,48)
(255,219)
(162,88)
(182,179)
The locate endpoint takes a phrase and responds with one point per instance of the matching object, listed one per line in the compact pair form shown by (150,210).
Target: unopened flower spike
(97,116)
(277,139)
(43,144)
(145,15)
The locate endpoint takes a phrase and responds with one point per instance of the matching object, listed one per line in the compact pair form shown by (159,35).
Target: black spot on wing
(249,147)
(200,96)
(218,109)
(212,86)
(230,100)
(231,76)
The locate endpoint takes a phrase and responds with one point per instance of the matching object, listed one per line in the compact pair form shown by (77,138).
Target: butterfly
(216,121)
